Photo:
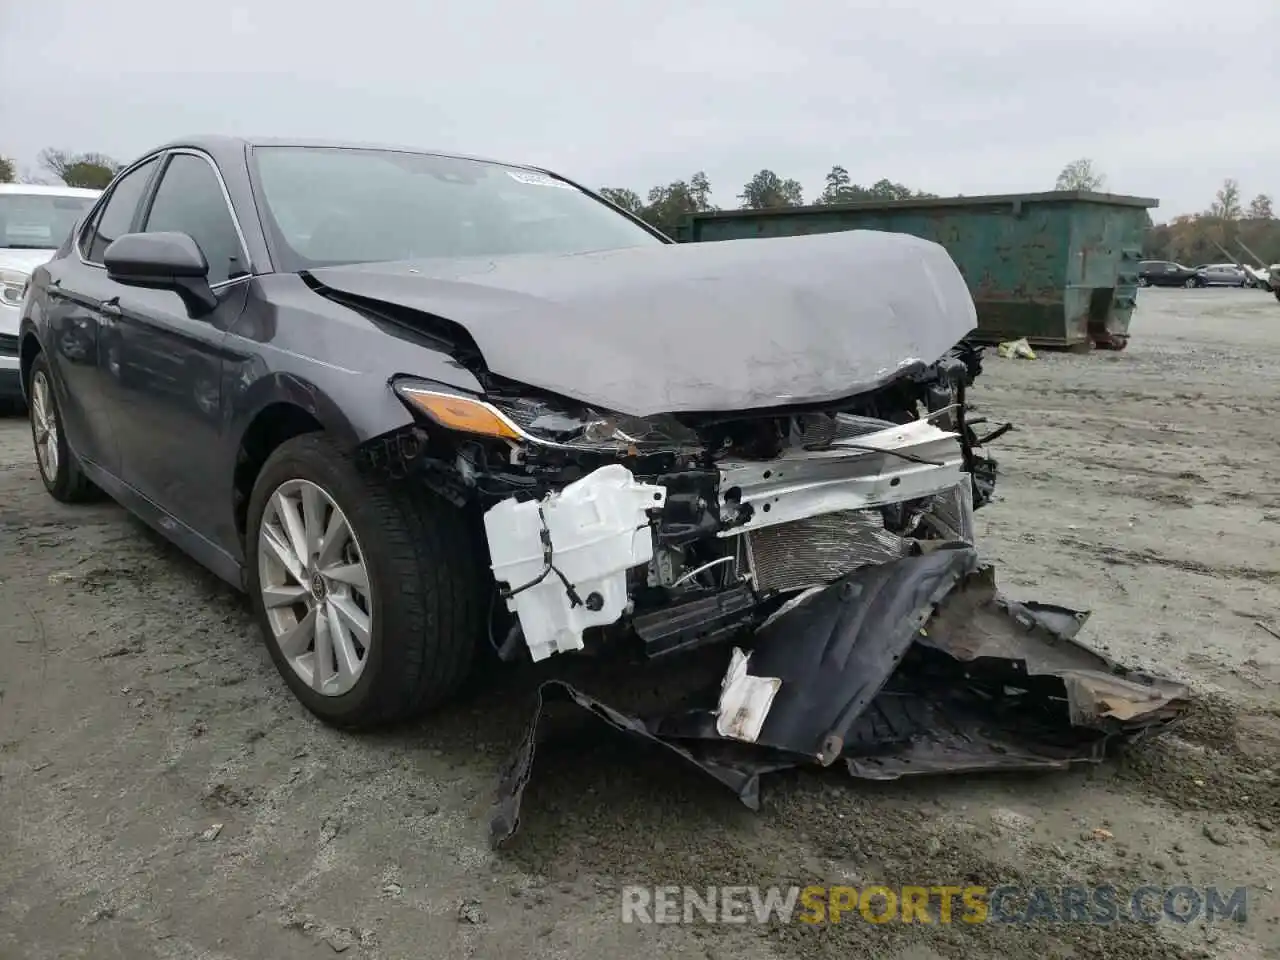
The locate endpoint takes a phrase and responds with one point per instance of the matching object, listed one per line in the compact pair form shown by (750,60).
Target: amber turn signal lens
(461,413)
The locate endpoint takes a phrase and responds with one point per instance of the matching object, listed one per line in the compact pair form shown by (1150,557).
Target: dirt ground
(138,708)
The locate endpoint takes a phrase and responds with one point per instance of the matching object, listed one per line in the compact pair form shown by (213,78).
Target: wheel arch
(29,347)
(278,408)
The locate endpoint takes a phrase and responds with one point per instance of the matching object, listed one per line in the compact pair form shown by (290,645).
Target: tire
(425,584)
(1191,282)
(1144,282)
(61,473)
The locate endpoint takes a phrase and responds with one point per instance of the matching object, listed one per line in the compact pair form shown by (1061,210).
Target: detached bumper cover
(914,666)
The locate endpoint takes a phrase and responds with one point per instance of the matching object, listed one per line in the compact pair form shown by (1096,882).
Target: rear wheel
(1191,282)
(59,469)
(367,595)
(1144,282)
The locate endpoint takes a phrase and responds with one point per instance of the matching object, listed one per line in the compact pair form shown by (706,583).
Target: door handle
(110,309)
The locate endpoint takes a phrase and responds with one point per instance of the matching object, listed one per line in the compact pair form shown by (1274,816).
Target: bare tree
(1226,205)
(91,170)
(1260,208)
(1080,175)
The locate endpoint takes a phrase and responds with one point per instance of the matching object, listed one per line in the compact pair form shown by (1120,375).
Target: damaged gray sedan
(429,409)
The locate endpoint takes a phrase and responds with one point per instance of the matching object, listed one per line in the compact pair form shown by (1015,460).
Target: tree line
(1229,226)
(666,205)
(1192,238)
(1228,229)
(92,171)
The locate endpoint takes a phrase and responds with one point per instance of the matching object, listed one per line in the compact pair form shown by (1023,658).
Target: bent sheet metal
(910,667)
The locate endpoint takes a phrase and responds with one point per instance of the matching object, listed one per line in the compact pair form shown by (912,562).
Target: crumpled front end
(687,556)
(823,555)
(668,533)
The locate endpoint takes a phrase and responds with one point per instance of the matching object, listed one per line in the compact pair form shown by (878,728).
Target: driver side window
(190,200)
(116,216)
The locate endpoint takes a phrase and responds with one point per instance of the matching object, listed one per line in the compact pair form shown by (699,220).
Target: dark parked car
(382,390)
(1166,273)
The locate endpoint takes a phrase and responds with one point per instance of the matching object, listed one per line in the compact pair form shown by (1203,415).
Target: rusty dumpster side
(1059,268)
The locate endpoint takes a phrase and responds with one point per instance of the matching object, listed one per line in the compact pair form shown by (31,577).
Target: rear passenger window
(116,217)
(190,200)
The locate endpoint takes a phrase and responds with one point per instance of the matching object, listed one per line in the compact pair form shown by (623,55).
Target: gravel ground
(138,709)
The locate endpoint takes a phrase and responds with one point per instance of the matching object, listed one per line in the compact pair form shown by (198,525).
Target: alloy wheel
(315,587)
(44,426)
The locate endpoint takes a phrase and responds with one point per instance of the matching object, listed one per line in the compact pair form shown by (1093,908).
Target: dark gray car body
(163,410)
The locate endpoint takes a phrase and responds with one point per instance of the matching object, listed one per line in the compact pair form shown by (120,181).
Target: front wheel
(368,595)
(59,469)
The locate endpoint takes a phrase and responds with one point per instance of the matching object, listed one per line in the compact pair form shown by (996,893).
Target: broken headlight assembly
(455,410)
(543,423)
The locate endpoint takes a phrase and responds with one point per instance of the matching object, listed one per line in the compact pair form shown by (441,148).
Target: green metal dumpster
(1060,268)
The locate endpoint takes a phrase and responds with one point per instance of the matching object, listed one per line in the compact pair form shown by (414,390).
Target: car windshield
(341,205)
(38,221)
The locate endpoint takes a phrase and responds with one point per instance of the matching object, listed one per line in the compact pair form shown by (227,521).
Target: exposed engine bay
(682,530)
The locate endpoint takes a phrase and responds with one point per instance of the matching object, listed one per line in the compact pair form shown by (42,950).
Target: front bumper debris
(909,667)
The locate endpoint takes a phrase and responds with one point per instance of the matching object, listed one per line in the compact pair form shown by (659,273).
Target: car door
(167,393)
(80,339)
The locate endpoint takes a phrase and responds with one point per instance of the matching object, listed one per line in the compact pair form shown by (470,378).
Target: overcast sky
(952,96)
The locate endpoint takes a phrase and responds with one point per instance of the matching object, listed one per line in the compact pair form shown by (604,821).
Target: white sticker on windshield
(536,179)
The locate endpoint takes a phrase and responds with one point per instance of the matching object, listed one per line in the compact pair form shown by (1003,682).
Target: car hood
(731,325)
(24,260)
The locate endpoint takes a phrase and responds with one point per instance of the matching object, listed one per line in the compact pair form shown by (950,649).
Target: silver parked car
(1224,275)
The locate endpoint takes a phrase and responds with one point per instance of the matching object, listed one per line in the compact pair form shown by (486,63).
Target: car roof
(228,149)
(48,190)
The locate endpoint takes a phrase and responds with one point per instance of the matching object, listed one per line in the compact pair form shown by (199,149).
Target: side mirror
(162,261)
